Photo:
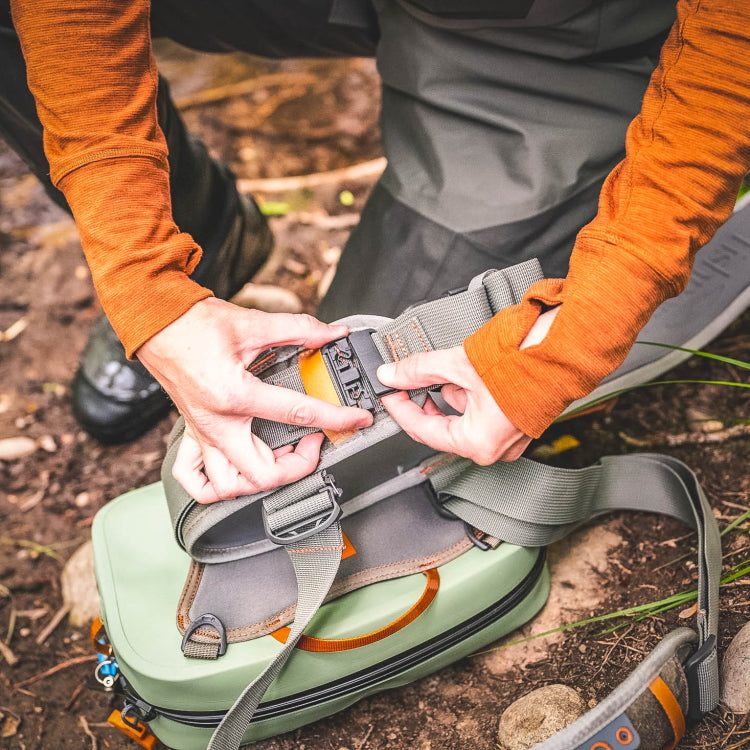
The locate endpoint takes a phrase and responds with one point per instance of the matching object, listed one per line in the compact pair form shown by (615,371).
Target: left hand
(482,432)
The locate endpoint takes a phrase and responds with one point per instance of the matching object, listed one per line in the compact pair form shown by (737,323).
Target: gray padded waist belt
(438,324)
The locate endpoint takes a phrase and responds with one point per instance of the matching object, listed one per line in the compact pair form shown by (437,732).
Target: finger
(225,479)
(279,329)
(455,397)
(188,471)
(279,452)
(291,407)
(431,429)
(269,472)
(422,370)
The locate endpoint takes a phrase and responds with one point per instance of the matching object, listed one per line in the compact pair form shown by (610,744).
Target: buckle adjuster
(306,527)
(352,362)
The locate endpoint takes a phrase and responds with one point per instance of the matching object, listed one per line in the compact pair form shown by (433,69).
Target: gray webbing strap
(315,565)
(445,322)
(532,504)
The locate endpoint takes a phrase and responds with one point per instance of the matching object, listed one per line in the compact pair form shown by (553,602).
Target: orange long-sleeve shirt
(92,72)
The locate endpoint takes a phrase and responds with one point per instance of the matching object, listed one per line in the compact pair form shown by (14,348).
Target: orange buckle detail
(99,638)
(140,733)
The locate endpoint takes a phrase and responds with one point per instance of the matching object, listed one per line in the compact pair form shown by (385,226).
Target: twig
(735,551)
(40,549)
(361,171)
(49,628)
(337,221)
(85,725)
(366,737)
(247,86)
(265,110)
(74,695)
(688,438)
(53,670)
(7,654)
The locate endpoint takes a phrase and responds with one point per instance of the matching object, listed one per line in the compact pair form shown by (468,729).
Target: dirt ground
(311,118)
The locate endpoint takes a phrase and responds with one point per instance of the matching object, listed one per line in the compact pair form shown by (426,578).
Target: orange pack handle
(308,643)
(139,732)
(99,638)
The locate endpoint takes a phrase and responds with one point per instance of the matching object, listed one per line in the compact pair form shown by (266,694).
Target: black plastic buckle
(211,621)
(299,530)
(691,666)
(352,362)
(443,512)
(136,711)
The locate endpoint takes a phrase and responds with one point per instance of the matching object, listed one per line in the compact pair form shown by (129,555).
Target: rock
(269,298)
(14,448)
(79,586)
(538,715)
(47,443)
(735,673)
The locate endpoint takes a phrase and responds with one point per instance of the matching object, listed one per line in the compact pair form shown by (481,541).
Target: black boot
(116,400)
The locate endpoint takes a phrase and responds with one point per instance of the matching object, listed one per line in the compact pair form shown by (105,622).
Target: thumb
(416,371)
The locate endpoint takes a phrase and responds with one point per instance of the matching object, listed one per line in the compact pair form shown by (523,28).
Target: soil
(317,117)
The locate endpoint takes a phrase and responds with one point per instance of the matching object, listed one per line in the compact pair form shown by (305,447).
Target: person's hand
(481,432)
(200,360)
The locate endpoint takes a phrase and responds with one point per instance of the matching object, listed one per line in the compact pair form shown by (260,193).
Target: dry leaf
(10,727)
(689,612)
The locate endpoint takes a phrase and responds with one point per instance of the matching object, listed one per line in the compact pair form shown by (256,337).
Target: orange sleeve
(93,75)
(686,155)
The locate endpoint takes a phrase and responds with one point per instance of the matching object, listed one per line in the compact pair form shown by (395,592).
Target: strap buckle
(475,535)
(295,531)
(696,681)
(353,362)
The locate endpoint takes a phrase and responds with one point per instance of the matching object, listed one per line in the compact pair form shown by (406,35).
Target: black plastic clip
(353,362)
(477,541)
(211,621)
(298,530)
(443,512)
(437,504)
(136,711)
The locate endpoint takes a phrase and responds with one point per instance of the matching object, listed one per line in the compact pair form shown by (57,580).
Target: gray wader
(499,134)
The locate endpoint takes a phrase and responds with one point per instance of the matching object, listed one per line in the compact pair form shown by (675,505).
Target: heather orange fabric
(92,72)
(94,78)
(686,154)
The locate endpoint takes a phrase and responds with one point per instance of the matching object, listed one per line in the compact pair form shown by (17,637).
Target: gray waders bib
(498,133)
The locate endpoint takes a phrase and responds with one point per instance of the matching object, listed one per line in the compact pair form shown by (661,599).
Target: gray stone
(79,587)
(538,715)
(13,448)
(735,673)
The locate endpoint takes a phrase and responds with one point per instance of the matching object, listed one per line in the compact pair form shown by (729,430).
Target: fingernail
(386,372)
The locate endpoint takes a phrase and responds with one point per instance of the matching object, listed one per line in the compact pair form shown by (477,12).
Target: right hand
(200,360)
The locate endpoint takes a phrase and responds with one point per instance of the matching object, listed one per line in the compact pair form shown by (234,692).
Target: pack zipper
(365,678)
